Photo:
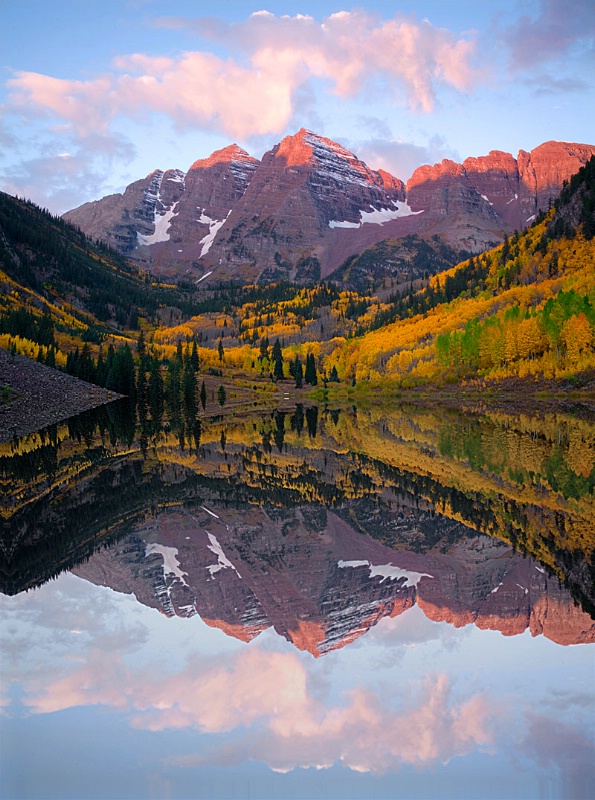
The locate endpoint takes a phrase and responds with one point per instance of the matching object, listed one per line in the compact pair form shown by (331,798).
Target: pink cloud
(257,95)
(266,694)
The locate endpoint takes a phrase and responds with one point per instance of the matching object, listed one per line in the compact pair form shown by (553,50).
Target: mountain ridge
(310,204)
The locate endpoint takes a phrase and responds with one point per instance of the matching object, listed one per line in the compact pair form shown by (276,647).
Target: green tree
(221,395)
(311,377)
(194,361)
(277,357)
(298,372)
(156,391)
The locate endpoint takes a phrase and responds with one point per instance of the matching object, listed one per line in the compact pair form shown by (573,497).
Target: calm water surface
(309,603)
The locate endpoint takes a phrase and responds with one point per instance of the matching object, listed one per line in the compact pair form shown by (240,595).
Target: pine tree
(278,369)
(190,386)
(311,377)
(156,391)
(277,357)
(203,396)
(194,361)
(298,372)
(264,348)
(276,353)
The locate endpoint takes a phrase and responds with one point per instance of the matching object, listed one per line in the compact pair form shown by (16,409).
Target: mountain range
(321,584)
(310,204)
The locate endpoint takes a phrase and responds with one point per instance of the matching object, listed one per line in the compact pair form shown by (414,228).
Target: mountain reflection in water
(315,525)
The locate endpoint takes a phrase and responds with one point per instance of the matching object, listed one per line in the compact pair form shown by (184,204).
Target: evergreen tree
(173,390)
(311,377)
(194,357)
(221,350)
(221,395)
(50,356)
(278,369)
(123,371)
(156,391)
(277,357)
(276,353)
(190,387)
(312,421)
(264,349)
(203,396)
(298,372)
(141,391)
(100,372)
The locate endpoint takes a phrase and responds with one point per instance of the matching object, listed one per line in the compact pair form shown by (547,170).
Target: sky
(96,94)
(413,708)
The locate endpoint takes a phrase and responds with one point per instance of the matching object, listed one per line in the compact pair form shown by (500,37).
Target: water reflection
(333,585)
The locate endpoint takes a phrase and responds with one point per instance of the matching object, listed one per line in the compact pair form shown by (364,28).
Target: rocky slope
(321,584)
(168,220)
(39,396)
(310,204)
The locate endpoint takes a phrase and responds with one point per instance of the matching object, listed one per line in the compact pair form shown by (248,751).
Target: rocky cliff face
(169,220)
(310,204)
(476,202)
(306,192)
(321,584)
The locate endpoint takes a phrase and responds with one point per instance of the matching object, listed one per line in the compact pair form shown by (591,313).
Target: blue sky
(95,94)
(177,709)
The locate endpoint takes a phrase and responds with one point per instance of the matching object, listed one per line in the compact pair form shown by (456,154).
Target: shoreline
(42,396)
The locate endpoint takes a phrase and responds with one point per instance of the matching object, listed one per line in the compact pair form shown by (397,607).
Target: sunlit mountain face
(363,591)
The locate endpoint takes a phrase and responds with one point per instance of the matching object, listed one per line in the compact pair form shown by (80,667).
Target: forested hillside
(523,311)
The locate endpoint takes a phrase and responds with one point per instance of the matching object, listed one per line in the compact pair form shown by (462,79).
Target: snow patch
(171,565)
(222,561)
(496,589)
(388,571)
(336,224)
(531,218)
(487,199)
(177,177)
(204,508)
(162,223)
(377,216)
(214,225)
(206,275)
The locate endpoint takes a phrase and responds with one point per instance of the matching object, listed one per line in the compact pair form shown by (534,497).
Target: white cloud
(62,180)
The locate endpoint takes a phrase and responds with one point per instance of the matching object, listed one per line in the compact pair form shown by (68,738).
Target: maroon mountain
(322,584)
(310,204)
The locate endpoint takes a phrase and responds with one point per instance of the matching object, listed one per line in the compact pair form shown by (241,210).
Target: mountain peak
(226,155)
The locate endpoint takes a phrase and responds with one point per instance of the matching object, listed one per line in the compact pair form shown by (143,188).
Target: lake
(308,602)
